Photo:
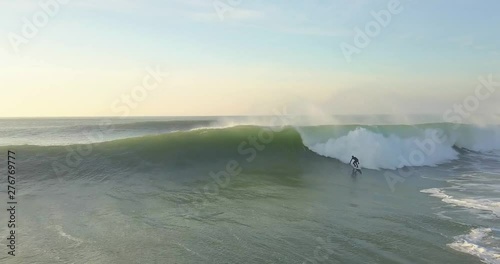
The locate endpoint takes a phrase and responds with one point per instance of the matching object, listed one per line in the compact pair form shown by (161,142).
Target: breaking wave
(377,147)
(393,147)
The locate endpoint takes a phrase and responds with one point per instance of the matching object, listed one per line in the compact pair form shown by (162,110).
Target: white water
(485,204)
(476,243)
(377,151)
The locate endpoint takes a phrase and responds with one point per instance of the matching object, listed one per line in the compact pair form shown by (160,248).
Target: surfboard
(356,168)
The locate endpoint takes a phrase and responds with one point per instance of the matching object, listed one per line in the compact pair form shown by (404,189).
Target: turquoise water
(145,192)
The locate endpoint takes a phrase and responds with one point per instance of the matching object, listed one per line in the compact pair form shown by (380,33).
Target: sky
(246,57)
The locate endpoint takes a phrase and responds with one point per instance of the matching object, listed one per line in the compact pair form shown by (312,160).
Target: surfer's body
(354,161)
(355,164)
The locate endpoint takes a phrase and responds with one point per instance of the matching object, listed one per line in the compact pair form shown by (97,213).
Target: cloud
(268,17)
(128,6)
(234,15)
(463,41)
(311,18)
(315,31)
(18,5)
(195,3)
(110,5)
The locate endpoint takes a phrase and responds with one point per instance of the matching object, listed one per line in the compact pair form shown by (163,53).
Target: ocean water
(252,190)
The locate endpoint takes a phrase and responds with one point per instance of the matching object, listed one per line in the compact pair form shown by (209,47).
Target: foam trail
(475,243)
(478,204)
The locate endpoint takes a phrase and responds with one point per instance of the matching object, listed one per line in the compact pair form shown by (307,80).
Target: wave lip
(476,243)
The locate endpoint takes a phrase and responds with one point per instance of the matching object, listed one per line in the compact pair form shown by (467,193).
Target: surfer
(354,161)
(355,165)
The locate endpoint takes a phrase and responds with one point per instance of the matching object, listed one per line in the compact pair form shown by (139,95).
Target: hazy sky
(244,57)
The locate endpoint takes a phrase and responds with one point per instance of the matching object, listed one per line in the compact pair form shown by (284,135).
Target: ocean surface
(252,190)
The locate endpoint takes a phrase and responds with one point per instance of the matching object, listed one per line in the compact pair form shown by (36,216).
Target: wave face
(175,151)
(377,147)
